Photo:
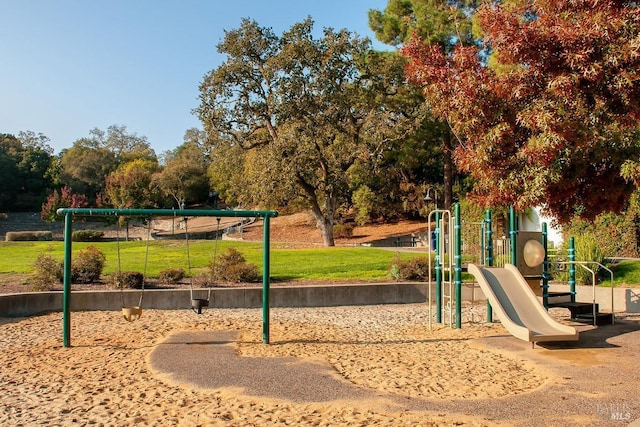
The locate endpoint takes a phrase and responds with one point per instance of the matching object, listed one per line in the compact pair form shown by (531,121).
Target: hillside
(300,229)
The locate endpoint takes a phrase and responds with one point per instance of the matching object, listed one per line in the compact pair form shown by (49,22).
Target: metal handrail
(584,264)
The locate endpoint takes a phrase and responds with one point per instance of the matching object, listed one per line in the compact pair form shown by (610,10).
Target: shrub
(127,280)
(587,249)
(87,266)
(172,275)
(87,236)
(616,235)
(47,271)
(412,269)
(365,202)
(343,231)
(231,266)
(28,236)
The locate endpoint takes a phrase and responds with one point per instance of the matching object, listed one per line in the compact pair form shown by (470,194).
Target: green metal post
(66,297)
(513,235)
(266,274)
(489,253)
(545,267)
(571,255)
(438,269)
(457,241)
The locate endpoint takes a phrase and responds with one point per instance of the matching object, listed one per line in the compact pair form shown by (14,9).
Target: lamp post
(428,198)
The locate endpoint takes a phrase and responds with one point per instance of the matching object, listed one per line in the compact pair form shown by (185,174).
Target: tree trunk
(326,228)
(325,221)
(324,224)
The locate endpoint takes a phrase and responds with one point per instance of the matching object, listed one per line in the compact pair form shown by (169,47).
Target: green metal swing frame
(69,213)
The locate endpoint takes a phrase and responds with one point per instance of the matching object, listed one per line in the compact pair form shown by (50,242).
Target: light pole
(428,198)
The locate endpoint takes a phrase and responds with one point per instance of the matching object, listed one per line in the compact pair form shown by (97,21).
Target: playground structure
(516,282)
(132,313)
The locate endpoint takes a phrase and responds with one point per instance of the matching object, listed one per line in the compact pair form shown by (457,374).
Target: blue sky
(69,66)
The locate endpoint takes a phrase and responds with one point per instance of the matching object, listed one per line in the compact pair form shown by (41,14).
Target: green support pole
(571,255)
(66,297)
(266,275)
(545,267)
(438,268)
(488,254)
(457,241)
(513,235)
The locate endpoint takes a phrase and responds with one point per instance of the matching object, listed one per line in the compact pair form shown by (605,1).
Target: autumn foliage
(66,198)
(545,107)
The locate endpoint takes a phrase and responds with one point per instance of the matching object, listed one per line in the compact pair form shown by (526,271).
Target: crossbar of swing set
(69,213)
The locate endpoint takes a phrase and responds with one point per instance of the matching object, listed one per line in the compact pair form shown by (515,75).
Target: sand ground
(356,366)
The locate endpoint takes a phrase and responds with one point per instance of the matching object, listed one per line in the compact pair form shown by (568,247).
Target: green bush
(28,236)
(87,266)
(47,271)
(412,269)
(365,203)
(171,275)
(87,236)
(127,280)
(587,249)
(616,235)
(231,266)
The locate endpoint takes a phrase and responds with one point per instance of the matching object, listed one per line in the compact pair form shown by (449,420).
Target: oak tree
(130,186)
(306,108)
(184,174)
(25,171)
(85,166)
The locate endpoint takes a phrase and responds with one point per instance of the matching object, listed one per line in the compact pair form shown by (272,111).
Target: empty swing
(132,313)
(197,304)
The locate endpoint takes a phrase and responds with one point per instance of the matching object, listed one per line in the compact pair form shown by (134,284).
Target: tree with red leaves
(545,109)
(66,198)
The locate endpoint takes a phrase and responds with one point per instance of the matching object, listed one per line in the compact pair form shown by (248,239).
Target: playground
(365,365)
(347,365)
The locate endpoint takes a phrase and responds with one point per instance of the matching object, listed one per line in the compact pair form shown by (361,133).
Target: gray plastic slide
(518,307)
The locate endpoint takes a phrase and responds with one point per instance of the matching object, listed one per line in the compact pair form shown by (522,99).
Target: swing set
(197,304)
(132,313)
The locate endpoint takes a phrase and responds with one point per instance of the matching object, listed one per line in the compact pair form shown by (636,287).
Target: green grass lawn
(335,263)
(332,264)
(625,273)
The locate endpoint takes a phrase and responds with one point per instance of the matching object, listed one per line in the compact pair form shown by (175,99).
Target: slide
(518,307)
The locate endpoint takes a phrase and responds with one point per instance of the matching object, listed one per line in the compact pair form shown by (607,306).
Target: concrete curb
(26,304)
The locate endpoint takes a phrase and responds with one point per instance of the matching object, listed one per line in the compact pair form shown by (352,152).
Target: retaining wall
(26,304)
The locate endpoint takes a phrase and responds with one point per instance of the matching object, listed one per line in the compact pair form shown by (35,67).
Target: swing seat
(131,313)
(198,303)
